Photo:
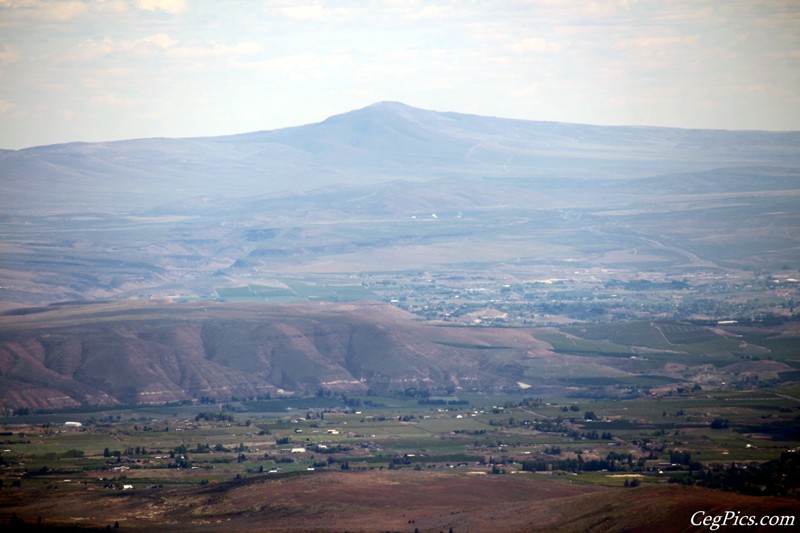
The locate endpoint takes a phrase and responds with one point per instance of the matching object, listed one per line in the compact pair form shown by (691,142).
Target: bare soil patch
(321,501)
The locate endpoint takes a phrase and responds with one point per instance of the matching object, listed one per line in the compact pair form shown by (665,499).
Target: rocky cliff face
(107,354)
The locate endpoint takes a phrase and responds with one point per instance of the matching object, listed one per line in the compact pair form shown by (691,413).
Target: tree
(719,423)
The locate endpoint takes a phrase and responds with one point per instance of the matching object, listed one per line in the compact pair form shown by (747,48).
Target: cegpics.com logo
(736,518)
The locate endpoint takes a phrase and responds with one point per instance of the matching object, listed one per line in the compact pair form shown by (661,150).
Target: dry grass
(391,501)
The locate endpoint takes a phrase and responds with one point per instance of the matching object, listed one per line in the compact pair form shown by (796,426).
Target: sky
(99,70)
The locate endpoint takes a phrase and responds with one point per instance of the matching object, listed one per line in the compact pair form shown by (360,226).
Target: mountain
(382,142)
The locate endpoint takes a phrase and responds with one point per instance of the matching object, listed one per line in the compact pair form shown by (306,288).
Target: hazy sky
(118,69)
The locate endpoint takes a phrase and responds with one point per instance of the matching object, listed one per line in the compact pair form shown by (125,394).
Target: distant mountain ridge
(382,142)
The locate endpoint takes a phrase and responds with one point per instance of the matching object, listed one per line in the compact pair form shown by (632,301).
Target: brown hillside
(663,508)
(145,352)
(372,501)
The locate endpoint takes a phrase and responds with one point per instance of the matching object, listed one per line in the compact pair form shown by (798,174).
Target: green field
(197,444)
(294,291)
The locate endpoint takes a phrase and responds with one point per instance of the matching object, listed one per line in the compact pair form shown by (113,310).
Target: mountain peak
(389,105)
(380,109)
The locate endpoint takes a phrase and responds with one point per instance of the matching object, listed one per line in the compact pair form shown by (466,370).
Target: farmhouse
(72,424)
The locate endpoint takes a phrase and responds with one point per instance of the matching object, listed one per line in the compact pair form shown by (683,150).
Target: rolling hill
(150,352)
(133,353)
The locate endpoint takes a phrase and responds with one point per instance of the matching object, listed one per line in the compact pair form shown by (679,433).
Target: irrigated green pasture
(198,444)
(294,291)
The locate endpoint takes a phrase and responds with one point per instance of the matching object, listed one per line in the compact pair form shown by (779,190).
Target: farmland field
(294,292)
(182,453)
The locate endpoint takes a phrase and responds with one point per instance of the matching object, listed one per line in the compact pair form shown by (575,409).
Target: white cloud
(9,54)
(91,50)
(111,100)
(297,62)
(215,49)
(173,7)
(661,52)
(67,10)
(161,40)
(535,44)
(605,8)
(304,12)
(45,10)
(433,12)
(149,45)
(314,11)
